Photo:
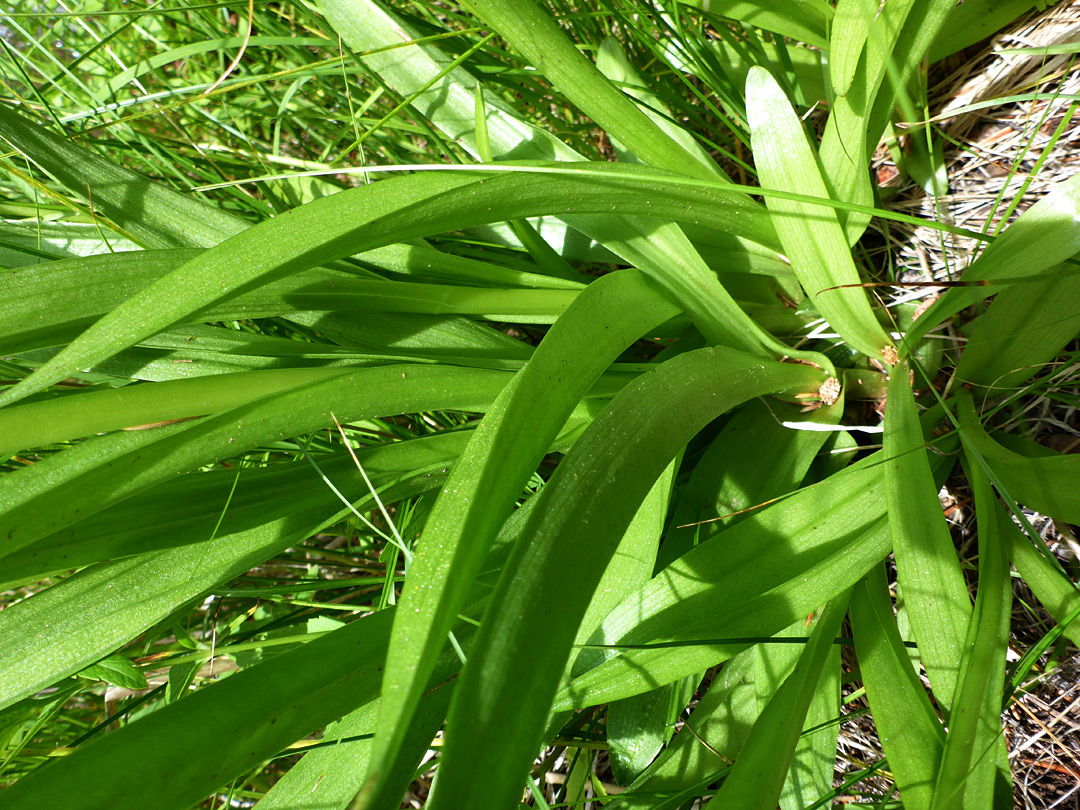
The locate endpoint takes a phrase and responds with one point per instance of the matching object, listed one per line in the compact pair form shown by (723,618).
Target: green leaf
(847,41)
(717,729)
(86,616)
(609,315)
(975,20)
(138,407)
(1057,593)
(724,485)
(748,582)
(613,63)
(802,20)
(762,765)
(927,568)
(361,219)
(162,218)
(1039,478)
(895,41)
(522,647)
(69,486)
(189,748)
(975,764)
(907,724)
(117,670)
(811,234)
(636,731)
(189,509)
(813,763)
(662,251)
(1026,327)
(1042,238)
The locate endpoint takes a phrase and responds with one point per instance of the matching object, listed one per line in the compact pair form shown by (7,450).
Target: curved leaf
(811,235)
(607,316)
(522,648)
(360,219)
(927,567)
(907,725)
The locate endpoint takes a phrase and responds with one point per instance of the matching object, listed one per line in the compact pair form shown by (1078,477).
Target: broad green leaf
(907,724)
(79,482)
(74,623)
(117,670)
(724,485)
(813,763)
(637,728)
(522,647)
(927,567)
(975,20)
(608,315)
(434,337)
(329,777)
(633,563)
(368,217)
(847,143)
(811,235)
(740,586)
(1026,327)
(636,731)
(189,748)
(720,722)
(1058,595)
(153,214)
(137,407)
(22,244)
(975,765)
(847,40)
(50,304)
(1038,477)
(802,20)
(762,765)
(676,639)
(187,510)
(1041,239)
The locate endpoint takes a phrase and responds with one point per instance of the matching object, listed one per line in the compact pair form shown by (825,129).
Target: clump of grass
(526,379)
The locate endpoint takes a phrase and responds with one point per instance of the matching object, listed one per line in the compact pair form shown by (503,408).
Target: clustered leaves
(690,355)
